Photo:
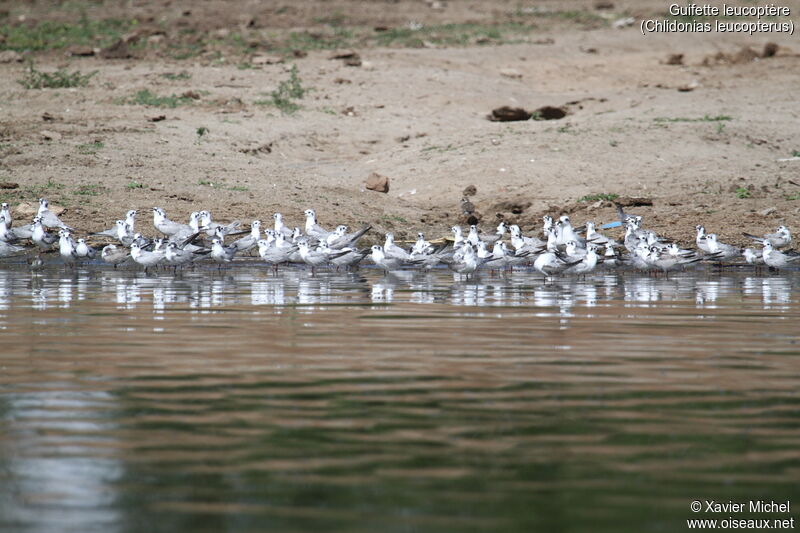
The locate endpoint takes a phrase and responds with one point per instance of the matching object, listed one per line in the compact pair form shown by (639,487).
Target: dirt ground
(710,140)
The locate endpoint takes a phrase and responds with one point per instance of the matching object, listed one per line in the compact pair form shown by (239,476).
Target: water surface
(245,401)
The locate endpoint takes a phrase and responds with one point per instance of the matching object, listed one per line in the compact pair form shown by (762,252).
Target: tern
(280,227)
(507,257)
(752,257)
(667,261)
(390,249)
(249,241)
(175,256)
(49,219)
(550,264)
(587,263)
(145,258)
(273,254)
(468,262)
(113,255)
(7,250)
(120,231)
(782,237)
(421,246)
(313,229)
(130,220)
(777,259)
(390,263)
(66,247)
(84,250)
(221,253)
(458,236)
(700,240)
(351,258)
(213,228)
(9,235)
(341,239)
(40,237)
(520,242)
(317,258)
(719,250)
(167,226)
(596,238)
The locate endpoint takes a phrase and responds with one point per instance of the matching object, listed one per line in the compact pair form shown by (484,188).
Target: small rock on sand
(511,73)
(50,135)
(377,182)
(10,56)
(766,212)
(509,114)
(470,190)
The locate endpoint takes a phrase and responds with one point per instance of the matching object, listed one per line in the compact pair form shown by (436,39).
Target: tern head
(277,217)
(43,203)
(456,231)
(783,230)
(420,236)
(4,205)
(341,229)
(589,227)
(502,227)
(310,214)
(131,213)
(767,246)
(255,224)
(389,239)
(711,237)
(564,219)
(700,229)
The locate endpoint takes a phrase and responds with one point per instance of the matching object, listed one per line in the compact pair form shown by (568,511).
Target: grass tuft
(705,118)
(60,79)
(600,196)
(743,193)
(90,148)
(146,98)
(287,92)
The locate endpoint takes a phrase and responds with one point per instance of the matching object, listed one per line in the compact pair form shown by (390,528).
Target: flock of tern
(561,249)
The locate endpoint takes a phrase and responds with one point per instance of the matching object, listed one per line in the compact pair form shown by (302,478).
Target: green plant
(705,118)
(182,75)
(795,153)
(88,190)
(795,196)
(90,148)
(287,92)
(600,196)
(201,131)
(49,35)
(37,79)
(133,184)
(146,98)
(743,193)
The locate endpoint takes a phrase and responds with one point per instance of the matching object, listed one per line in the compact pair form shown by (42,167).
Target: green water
(241,401)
